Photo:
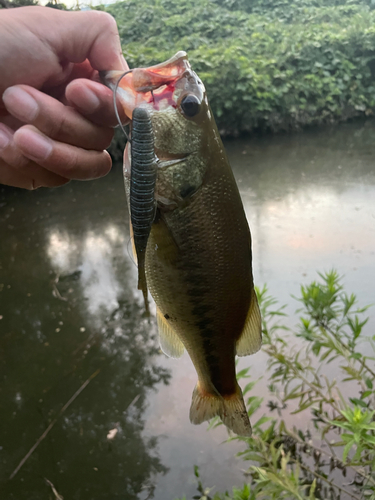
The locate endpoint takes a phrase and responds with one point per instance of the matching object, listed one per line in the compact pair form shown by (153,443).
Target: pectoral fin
(170,344)
(251,336)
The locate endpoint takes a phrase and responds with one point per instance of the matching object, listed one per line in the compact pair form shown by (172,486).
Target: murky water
(77,358)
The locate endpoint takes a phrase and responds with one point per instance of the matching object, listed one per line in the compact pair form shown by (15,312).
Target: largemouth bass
(198,261)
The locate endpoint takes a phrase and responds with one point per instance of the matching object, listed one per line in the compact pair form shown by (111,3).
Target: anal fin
(250,340)
(170,344)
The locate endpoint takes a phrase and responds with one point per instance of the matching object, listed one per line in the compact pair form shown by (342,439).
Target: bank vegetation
(267,64)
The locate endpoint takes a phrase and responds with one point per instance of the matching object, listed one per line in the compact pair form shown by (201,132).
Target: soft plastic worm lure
(142,183)
(142,189)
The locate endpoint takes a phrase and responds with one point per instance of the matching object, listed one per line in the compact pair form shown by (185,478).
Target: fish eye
(190,105)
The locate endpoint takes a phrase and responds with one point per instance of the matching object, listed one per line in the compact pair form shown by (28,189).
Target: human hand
(56,118)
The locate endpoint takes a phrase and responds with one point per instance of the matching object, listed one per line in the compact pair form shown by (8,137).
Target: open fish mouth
(158,87)
(153,85)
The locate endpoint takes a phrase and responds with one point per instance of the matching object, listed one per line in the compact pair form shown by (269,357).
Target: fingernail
(4,140)
(33,145)
(20,104)
(88,102)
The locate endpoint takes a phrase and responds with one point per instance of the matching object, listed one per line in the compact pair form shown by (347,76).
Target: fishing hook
(115,103)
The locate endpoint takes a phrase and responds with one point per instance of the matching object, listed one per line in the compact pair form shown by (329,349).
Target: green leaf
(346,450)
(369,383)
(358,402)
(366,394)
(243,373)
(369,438)
(248,387)
(261,421)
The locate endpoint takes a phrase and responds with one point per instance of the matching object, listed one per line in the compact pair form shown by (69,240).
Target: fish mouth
(136,87)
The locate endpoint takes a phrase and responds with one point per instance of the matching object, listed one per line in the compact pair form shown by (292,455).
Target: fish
(198,256)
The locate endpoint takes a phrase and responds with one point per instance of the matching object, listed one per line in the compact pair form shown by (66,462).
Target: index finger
(95,102)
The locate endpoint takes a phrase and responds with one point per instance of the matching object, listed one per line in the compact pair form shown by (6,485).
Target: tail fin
(231,409)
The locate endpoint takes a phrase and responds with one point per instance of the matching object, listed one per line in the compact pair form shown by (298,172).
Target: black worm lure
(142,189)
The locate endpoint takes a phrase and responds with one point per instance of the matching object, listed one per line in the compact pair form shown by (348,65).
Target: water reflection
(68,307)
(91,255)
(310,201)
(68,313)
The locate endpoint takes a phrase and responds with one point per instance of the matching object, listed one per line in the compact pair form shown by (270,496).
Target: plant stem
(334,457)
(307,382)
(322,478)
(345,346)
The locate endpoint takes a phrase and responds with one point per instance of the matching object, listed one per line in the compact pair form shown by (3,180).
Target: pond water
(77,357)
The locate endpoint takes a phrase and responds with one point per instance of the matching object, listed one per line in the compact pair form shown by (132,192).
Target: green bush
(266,64)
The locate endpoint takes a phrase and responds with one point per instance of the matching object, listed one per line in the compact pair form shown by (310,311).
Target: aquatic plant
(289,461)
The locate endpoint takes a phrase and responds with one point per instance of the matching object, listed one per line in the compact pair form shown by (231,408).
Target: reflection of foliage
(116,399)
(266,64)
(85,463)
(49,347)
(291,462)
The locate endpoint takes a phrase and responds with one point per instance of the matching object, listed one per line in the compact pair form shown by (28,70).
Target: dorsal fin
(250,340)
(170,344)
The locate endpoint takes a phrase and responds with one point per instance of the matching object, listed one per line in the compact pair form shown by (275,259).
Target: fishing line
(115,103)
(130,254)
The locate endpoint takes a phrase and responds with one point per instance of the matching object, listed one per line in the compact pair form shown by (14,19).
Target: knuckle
(105,20)
(15,159)
(71,165)
(105,139)
(58,128)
